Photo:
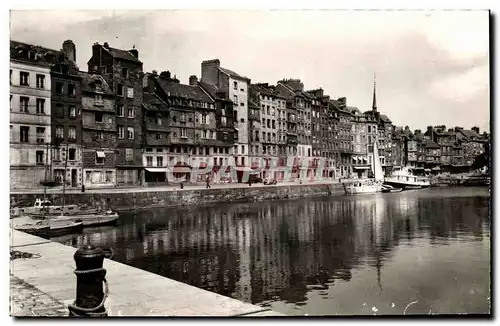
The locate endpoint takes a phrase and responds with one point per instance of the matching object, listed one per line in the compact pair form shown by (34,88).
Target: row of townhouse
(116,125)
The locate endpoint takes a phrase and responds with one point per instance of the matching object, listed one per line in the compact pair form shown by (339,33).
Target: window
(11,102)
(130,133)
(235,84)
(130,112)
(59,132)
(99,135)
(72,111)
(24,78)
(223,120)
(98,117)
(24,101)
(149,160)
(129,154)
(39,157)
(204,134)
(109,176)
(121,110)
(159,161)
(24,134)
(11,76)
(72,133)
(125,72)
(40,134)
(159,121)
(40,81)
(71,154)
(214,135)
(130,92)
(235,100)
(98,99)
(59,88)
(183,133)
(121,132)
(203,119)
(369,129)
(40,106)
(158,136)
(119,90)
(242,104)
(71,90)
(223,112)
(99,157)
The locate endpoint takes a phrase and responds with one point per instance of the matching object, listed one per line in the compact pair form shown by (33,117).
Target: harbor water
(413,252)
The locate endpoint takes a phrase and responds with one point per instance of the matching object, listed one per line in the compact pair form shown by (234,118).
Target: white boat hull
(93,219)
(356,188)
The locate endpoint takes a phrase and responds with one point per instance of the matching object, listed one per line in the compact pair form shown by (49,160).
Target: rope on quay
(91,312)
(31,244)
(252,312)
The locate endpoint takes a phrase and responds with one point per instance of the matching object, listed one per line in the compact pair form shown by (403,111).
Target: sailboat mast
(64,178)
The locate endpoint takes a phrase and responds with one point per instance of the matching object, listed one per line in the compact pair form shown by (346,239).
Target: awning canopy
(427,170)
(361,167)
(101,154)
(158,170)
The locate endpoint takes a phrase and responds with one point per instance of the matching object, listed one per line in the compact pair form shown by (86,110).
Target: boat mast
(64,179)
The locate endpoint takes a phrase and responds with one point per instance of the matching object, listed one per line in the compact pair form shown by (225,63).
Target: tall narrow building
(122,71)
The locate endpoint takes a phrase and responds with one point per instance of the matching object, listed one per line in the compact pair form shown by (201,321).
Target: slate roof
(42,60)
(430,144)
(385,118)
(89,79)
(121,54)
(470,134)
(232,73)
(184,91)
(151,102)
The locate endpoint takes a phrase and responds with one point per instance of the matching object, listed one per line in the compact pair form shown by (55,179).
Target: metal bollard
(90,276)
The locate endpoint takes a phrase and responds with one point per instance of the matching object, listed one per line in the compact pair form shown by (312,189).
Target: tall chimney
(106,45)
(134,52)
(209,71)
(193,80)
(69,49)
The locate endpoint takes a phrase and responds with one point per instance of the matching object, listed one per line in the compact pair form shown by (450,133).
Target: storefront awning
(427,170)
(101,154)
(158,170)
(361,167)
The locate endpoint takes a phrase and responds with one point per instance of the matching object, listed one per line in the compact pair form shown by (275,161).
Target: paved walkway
(167,188)
(28,301)
(133,292)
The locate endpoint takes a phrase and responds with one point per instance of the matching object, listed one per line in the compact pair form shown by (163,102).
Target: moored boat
(52,227)
(97,219)
(371,185)
(45,207)
(388,188)
(405,179)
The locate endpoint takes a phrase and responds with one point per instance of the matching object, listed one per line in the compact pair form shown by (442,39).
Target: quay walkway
(176,187)
(44,285)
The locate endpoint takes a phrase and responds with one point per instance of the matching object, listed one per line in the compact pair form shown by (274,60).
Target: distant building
(30,115)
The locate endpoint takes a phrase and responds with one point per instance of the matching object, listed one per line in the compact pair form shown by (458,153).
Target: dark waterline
(427,251)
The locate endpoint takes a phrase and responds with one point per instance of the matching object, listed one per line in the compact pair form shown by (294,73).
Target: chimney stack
(69,50)
(134,52)
(106,45)
(193,80)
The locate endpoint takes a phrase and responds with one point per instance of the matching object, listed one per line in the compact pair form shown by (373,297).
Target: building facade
(123,72)
(30,115)
(99,132)
(66,117)
(237,87)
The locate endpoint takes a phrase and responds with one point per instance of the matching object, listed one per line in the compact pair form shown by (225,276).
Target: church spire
(374,105)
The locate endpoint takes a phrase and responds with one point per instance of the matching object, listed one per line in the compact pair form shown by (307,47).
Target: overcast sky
(432,67)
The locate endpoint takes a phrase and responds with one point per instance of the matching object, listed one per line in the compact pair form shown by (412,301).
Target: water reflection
(282,251)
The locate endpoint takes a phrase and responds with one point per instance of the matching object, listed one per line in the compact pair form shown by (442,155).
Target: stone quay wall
(137,200)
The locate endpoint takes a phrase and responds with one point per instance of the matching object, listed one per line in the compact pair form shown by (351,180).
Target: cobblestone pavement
(28,301)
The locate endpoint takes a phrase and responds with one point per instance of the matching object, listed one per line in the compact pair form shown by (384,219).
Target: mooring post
(90,276)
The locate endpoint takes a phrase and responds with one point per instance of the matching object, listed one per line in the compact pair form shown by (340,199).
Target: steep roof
(232,73)
(430,144)
(470,134)
(121,54)
(90,79)
(175,89)
(151,102)
(41,54)
(385,118)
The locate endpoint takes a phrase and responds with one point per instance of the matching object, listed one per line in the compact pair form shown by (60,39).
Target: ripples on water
(346,255)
